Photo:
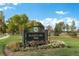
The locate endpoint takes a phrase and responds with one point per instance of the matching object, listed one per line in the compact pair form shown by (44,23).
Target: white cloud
(52,21)
(2,4)
(6,8)
(8,4)
(61,12)
(1,9)
(69,20)
(48,21)
(15,3)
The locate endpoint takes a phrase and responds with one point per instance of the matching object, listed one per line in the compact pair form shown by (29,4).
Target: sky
(46,13)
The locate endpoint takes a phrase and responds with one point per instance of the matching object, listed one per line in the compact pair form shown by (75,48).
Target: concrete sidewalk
(4,37)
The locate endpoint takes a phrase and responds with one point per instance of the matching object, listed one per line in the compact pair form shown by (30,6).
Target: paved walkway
(4,37)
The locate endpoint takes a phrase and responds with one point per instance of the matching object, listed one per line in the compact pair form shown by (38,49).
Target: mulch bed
(7,52)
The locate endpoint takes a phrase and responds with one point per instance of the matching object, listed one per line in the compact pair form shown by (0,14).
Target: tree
(67,27)
(23,22)
(16,23)
(73,31)
(59,28)
(78,30)
(41,28)
(62,25)
(73,26)
(4,27)
(33,23)
(49,28)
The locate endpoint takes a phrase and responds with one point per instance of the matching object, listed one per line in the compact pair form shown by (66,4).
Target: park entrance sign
(37,36)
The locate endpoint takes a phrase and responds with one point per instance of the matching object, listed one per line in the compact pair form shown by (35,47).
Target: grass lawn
(12,38)
(73,42)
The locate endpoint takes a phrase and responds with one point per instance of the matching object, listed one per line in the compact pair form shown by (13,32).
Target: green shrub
(43,47)
(73,33)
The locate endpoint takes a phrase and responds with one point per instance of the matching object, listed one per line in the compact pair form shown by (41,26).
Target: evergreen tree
(67,27)
(73,31)
(59,28)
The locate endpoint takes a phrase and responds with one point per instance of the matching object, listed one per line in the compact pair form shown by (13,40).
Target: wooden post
(46,36)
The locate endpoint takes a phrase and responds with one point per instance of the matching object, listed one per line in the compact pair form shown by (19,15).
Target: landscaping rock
(53,44)
(57,44)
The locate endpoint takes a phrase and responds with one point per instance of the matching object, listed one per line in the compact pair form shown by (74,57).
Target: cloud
(8,4)
(1,9)
(6,8)
(61,12)
(2,4)
(68,20)
(52,21)
(15,3)
(48,21)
